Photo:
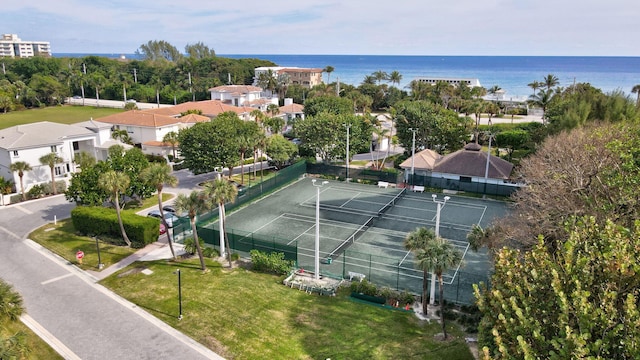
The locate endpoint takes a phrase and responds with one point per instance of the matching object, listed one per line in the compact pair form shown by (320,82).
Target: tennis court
(362,231)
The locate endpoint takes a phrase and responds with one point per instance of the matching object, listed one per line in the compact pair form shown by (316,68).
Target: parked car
(169,218)
(169,208)
(163,229)
(240,187)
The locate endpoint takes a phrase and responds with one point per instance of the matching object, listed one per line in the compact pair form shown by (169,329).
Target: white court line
(304,233)
(56,279)
(353,197)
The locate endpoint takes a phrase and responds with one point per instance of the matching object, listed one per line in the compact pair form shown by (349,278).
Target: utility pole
(348,126)
(135,75)
(413,154)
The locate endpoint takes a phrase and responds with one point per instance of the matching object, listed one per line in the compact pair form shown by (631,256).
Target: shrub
(209,251)
(270,262)
(190,245)
(103,222)
(36,191)
(235,256)
(61,187)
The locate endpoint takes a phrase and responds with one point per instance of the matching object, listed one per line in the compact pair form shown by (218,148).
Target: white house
(241,95)
(29,142)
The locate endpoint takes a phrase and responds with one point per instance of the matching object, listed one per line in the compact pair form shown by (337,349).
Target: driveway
(80,319)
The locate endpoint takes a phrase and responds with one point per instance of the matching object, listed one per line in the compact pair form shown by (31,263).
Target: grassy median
(245,315)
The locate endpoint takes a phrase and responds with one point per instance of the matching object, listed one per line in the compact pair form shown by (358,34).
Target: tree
(84,160)
(636,90)
(116,183)
(122,135)
(21,167)
(395,77)
(589,170)
(280,149)
(512,140)
(171,138)
(380,76)
(206,146)
(159,51)
(131,162)
(329,104)
(535,85)
(51,160)
(274,124)
(193,204)
(199,51)
(11,308)
(158,175)
(220,192)
(550,81)
(542,99)
(417,242)
(577,299)
(248,137)
(328,70)
(84,189)
(267,80)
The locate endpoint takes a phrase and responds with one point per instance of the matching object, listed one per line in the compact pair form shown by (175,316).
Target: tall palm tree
(380,76)
(439,256)
(550,81)
(171,138)
(220,192)
(116,183)
(157,175)
(636,90)
(21,167)
(329,69)
(395,77)
(535,85)
(542,99)
(193,204)
(417,241)
(51,159)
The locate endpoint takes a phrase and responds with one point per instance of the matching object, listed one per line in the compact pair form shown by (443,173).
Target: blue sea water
(511,73)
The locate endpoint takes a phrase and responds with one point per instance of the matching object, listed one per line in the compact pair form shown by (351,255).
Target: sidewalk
(158,250)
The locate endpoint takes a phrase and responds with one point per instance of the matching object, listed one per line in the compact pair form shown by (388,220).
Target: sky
(333,27)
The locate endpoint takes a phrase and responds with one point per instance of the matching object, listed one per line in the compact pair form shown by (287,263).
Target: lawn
(245,315)
(58,114)
(62,239)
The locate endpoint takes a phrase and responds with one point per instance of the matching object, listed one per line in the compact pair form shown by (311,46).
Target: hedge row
(100,221)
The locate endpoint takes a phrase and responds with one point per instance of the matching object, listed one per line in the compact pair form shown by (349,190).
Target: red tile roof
(210,108)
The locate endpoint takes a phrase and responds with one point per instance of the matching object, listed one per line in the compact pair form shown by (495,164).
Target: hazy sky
(363,27)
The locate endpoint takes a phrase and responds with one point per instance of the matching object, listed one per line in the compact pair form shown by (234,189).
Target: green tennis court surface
(362,231)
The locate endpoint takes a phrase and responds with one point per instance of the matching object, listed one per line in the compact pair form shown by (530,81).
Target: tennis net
(351,239)
(391,203)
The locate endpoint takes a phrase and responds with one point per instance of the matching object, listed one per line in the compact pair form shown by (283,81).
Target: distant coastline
(511,73)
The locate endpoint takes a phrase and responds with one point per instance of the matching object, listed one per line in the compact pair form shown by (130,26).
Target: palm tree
(636,90)
(395,77)
(157,175)
(380,75)
(416,242)
(328,70)
(122,135)
(171,138)
(219,192)
(439,256)
(193,204)
(51,160)
(494,89)
(542,99)
(116,183)
(550,81)
(21,167)
(535,86)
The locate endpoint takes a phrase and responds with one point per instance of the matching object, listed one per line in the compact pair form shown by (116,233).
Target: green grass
(38,349)
(63,240)
(58,114)
(245,315)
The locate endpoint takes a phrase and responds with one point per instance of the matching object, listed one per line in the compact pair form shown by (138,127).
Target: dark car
(168,217)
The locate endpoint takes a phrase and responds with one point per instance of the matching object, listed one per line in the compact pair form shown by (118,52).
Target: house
(241,95)
(147,129)
(290,112)
(209,108)
(422,163)
(28,143)
(306,77)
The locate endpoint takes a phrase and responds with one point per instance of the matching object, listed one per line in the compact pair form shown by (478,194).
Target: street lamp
(316,274)
(413,154)
(432,297)
(348,126)
(179,293)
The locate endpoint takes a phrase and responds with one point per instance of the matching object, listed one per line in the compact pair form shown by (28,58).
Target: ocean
(511,73)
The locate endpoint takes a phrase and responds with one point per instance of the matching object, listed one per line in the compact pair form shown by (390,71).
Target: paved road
(64,305)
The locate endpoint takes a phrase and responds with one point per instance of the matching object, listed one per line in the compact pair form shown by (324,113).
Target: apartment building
(307,77)
(12,46)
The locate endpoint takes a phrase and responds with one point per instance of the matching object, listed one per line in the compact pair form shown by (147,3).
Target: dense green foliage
(576,300)
(89,220)
(273,262)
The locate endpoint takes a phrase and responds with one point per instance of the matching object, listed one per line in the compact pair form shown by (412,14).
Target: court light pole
(348,126)
(486,169)
(432,297)
(413,154)
(316,273)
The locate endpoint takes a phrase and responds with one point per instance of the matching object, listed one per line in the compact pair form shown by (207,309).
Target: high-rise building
(12,46)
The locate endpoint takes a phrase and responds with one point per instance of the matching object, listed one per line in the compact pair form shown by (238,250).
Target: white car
(169,218)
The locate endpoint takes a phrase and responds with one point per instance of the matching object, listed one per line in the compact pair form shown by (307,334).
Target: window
(54,148)
(15,152)
(466,179)
(76,146)
(130,129)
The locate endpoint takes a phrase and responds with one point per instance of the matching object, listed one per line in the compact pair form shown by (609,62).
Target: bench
(356,275)
(383,184)
(418,189)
